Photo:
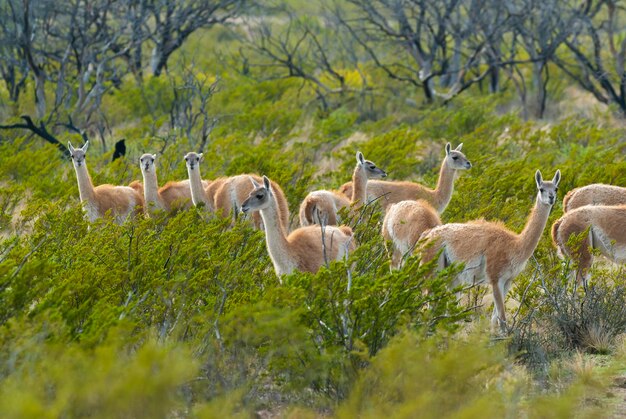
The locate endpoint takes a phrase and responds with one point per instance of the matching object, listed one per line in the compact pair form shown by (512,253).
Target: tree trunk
(452,70)
(158,60)
(494,70)
(494,79)
(539,86)
(135,63)
(428,90)
(40,95)
(162,52)
(13,85)
(427,81)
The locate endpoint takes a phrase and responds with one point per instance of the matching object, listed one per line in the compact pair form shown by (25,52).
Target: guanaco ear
(557,177)
(459,147)
(266,182)
(85,146)
(154,156)
(360,158)
(70,147)
(448,148)
(201,155)
(255,184)
(538,178)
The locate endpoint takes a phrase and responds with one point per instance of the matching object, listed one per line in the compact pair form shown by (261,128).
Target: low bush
(560,316)
(190,307)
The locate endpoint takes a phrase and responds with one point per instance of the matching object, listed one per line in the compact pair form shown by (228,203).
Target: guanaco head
(78,154)
(371,170)
(547,190)
(146,162)
(456,159)
(193,159)
(259,197)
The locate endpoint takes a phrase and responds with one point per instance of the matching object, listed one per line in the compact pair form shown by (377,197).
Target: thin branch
(40,131)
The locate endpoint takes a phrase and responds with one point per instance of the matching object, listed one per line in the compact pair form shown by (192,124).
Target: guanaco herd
(488,251)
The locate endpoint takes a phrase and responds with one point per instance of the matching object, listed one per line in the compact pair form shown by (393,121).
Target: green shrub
(191,306)
(455,377)
(46,376)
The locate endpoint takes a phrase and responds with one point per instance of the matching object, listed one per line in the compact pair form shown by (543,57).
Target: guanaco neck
(275,236)
(445,186)
(530,236)
(85,186)
(359,184)
(151,187)
(197,191)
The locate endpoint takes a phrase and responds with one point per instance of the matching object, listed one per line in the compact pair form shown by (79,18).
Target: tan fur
(489,251)
(595,194)
(391,192)
(406,220)
(234,190)
(322,204)
(322,207)
(606,226)
(403,225)
(118,202)
(137,186)
(196,184)
(176,195)
(172,196)
(304,246)
(303,249)
(212,188)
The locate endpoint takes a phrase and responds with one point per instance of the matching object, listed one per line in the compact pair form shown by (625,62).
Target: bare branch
(40,131)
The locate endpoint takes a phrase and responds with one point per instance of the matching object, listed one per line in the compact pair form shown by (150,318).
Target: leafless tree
(174,21)
(311,49)
(92,44)
(73,46)
(419,41)
(72,50)
(598,50)
(137,14)
(539,27)
(42,131)
(490,20)
(13,66)
(25,16)
(190,106)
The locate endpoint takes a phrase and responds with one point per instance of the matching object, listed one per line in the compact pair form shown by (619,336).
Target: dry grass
(597,338)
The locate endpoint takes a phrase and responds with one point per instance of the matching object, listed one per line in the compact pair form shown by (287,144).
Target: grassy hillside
(184,316)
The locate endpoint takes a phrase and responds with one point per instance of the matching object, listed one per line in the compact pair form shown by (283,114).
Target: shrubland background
(181,315)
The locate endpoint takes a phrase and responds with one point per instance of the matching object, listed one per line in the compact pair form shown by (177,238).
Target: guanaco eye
(259,196)
(455,157)
(197,158)
(540,189)
(186,159)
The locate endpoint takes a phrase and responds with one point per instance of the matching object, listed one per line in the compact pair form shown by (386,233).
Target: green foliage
(121,377)
(191,280)
(28,165)
(337,124)
(558,315)
(452,377)
(190,308)
(155,96)
(264,109)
